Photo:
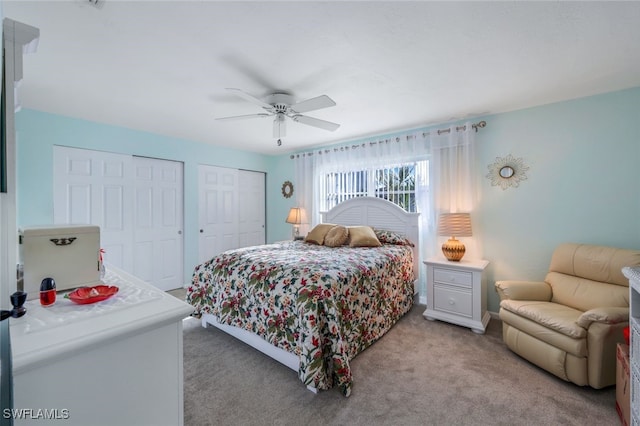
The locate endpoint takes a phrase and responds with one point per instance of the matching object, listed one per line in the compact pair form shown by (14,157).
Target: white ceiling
(163,67)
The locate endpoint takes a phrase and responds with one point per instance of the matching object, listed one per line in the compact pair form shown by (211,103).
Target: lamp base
(453,250)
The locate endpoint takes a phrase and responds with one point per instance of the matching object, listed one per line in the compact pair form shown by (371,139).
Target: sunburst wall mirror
(287,189)
(507,172)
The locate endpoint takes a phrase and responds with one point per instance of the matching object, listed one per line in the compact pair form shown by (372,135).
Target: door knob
(201,231)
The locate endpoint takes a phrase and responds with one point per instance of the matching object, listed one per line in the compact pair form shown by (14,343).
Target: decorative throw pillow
(362,236)
(337,236)
(317,234)
(392,237)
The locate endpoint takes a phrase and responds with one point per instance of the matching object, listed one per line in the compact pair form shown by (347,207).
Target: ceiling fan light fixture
(279,126)
(282,106)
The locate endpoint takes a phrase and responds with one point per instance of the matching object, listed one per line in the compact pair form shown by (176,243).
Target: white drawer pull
(451,301)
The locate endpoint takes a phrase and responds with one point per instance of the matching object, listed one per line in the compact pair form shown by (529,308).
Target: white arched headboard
(378,213)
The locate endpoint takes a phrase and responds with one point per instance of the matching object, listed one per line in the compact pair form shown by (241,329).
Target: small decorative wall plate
(287,189)
(507,171)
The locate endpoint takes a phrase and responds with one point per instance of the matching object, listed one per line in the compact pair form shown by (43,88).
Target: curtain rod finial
(480,125)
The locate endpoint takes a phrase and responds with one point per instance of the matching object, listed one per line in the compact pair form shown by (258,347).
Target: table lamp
(295,218)
(454,225)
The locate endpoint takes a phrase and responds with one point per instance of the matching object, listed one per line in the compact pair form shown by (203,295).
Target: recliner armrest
(524,290)
(605,315)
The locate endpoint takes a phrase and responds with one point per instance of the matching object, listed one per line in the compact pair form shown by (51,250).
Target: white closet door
(157,233)
(251,214)
(217,210)
(94,187)
(136,202)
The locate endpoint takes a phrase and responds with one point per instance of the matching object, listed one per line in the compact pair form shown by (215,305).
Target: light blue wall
(281,169)
(583,184)
(38,132)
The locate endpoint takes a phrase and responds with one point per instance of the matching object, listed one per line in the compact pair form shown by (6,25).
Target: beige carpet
(420,373)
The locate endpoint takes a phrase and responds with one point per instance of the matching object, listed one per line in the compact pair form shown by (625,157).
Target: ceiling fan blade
(248,97)
(312,104)
(315,122)
(279,127)
(242,117)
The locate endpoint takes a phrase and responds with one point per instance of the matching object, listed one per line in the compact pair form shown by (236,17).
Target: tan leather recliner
(570,324)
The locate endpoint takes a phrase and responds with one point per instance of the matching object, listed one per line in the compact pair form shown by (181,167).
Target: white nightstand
(457,293)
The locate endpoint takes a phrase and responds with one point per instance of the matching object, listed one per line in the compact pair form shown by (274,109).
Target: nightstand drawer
(448,299)
(448,276)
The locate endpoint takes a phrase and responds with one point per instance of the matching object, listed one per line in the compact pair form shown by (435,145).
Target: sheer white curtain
(311,166)
(447,183)
(306,185)
(454,177)
(410,147)
(376,152)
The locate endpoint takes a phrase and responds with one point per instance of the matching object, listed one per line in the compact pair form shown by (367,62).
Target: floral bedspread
(324,304)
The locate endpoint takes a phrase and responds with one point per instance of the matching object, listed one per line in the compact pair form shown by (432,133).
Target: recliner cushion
(560,318)
(583,294)
(594,262)
(577,347)
(554,359)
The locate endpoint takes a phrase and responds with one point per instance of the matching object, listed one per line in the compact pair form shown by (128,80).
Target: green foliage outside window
(396,184)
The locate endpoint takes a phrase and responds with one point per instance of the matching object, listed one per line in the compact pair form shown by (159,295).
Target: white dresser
(116,362)
(457,293)
(634,354)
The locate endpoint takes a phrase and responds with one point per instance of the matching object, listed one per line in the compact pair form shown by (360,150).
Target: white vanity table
(115,362)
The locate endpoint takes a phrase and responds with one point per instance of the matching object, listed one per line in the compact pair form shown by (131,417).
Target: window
(396,183)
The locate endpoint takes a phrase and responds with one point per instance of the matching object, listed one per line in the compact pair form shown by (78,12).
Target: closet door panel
(114,208)
(158,236)
(95,187)
(251,214)
(217,210)
(143,265)
(231,209)
(137,203)
(78,204)
(143,227)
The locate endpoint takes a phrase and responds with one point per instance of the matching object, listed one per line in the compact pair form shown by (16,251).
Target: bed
(312,307)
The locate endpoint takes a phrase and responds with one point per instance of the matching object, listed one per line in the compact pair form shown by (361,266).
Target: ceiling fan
(281,105)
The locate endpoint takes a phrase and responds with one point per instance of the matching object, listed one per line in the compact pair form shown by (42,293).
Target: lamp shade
(295,216)
(455,225)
